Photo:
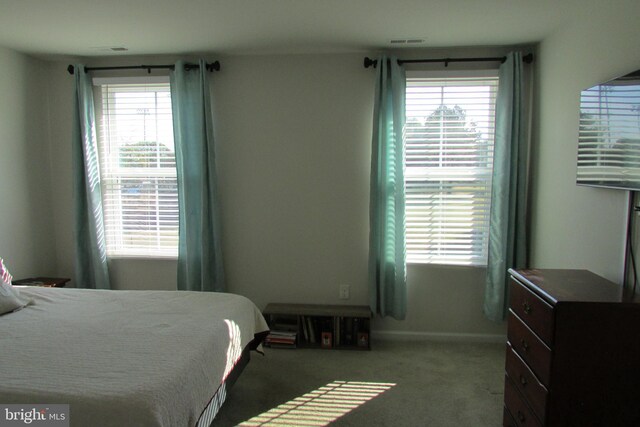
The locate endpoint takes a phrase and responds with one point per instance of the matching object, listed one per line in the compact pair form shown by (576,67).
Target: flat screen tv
(609,134)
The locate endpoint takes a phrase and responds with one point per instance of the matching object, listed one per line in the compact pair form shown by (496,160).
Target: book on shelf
(289,334)
(278,345)
(312,330)
(305,330)
(280,342)
(278,338)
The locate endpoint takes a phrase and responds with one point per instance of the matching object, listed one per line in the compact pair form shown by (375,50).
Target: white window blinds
(138,172)
(449,139)
(609,134)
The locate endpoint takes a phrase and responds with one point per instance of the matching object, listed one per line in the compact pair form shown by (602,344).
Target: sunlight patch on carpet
(322,406)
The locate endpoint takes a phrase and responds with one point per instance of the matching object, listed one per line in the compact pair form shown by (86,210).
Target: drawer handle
(523,380)
(521,416)
(526,307)
(525,345)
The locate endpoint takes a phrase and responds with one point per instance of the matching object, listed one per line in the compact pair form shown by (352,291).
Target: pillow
(10,298)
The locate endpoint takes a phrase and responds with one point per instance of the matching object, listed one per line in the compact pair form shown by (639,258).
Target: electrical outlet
(344,291)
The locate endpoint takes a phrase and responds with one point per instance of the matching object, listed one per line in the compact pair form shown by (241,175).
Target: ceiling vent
(406,41)
(109,48)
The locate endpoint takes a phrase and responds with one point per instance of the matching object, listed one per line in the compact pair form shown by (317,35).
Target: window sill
(155,257)
(418,264)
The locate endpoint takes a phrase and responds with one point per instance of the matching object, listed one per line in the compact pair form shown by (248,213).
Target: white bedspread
(123,358)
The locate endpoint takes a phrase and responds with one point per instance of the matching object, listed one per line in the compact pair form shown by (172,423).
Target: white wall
(26,236)
(60,105)
(293,159)
(579,227)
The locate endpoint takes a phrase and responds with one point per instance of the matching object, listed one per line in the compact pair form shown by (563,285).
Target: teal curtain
(508,217)
(200,266)
(387,255)
(91,270)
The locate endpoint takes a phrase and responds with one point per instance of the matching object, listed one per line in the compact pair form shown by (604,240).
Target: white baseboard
(437,336)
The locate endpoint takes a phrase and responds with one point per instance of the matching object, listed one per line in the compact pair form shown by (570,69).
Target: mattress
(144,358)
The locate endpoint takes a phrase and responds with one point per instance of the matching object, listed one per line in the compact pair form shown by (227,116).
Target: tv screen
(609,134)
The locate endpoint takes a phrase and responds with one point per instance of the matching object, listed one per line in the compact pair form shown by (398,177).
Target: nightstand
(47,282)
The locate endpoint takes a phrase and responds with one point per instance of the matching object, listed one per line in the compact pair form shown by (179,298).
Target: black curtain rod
(528,59)
(214,66)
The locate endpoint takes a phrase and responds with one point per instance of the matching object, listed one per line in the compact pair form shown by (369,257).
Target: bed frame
(215,403)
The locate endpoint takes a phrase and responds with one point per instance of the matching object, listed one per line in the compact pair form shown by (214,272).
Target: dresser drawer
(517,407)
(526,382)
(507,419)
(533,310)
(530,348)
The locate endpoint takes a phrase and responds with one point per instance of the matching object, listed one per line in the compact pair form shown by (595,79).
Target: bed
(118,358)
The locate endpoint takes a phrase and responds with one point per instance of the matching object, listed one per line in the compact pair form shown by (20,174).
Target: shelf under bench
(348,326)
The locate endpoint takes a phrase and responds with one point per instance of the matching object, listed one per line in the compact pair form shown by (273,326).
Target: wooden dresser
(573,351)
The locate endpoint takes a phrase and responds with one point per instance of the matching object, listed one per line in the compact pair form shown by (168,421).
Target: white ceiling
(87,27)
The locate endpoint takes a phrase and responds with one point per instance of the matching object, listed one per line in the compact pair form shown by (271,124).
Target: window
(137,167)
(449,137)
